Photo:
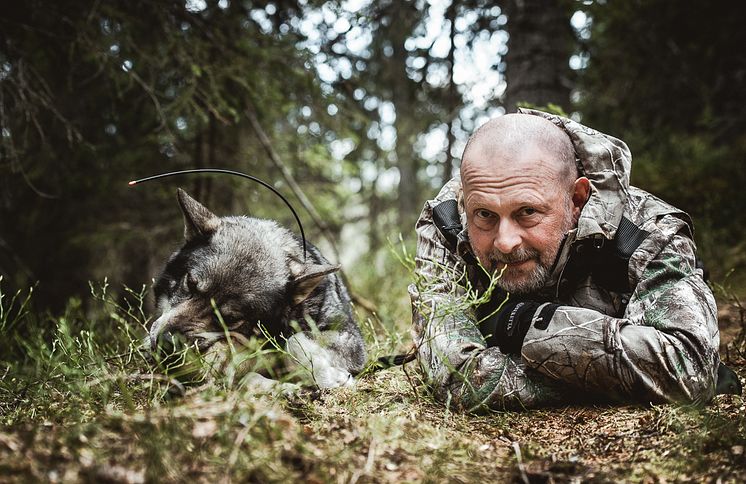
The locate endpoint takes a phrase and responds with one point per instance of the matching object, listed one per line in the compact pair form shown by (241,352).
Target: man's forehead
(518,142)
(528,160)
(534,192)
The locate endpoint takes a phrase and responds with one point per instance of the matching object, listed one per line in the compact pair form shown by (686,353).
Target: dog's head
(253,270)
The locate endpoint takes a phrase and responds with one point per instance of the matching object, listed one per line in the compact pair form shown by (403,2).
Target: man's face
(518,210)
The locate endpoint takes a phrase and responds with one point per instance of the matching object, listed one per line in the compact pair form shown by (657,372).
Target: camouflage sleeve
(460,368)
(664,349)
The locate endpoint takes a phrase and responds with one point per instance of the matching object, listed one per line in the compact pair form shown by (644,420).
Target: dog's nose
(166,343)
(159,327)
(170,346)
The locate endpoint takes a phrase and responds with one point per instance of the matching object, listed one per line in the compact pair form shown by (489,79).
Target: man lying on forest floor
(604,297)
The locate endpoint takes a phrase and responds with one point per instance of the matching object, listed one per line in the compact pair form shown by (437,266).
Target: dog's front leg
(222,362)
(324,365)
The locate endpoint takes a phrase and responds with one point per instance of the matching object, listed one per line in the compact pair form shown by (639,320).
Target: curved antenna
(234,173)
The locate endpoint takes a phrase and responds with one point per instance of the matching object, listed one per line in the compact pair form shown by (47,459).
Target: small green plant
(727,292)
(13,309)
(445,301)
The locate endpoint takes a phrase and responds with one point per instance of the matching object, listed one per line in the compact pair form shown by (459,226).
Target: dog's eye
(229,320)
(189,283)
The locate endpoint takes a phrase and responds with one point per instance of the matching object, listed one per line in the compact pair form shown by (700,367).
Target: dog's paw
(330,377)
(261,384)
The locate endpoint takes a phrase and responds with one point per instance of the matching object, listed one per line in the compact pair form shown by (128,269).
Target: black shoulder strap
(628,238)
(610,262)
(448,222)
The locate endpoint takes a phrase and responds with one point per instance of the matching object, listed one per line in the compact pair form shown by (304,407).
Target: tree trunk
(452,94)
(374,214)
(404,100)
(540,45)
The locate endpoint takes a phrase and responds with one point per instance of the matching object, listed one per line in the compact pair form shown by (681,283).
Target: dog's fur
(256,273)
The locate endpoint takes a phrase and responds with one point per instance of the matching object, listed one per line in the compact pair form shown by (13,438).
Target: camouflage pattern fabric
(656,343)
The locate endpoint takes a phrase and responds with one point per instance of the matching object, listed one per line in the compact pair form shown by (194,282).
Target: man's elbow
(452,396)
(698,380)
(696,387)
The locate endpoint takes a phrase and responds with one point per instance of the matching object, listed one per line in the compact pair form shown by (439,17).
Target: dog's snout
(160,327)
(169,343)
(165,341)
(166,338)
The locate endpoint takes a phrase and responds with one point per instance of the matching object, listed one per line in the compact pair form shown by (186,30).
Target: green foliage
(384,285)
(71,366)
(549,108)
(116,90)
(702,438)
(668,79)
(13,309)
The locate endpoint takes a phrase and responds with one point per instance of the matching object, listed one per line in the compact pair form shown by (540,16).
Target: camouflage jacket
(654,341)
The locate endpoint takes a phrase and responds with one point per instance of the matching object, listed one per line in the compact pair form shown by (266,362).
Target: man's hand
(507,328)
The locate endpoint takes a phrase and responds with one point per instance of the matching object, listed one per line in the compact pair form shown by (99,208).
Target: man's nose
(508,237)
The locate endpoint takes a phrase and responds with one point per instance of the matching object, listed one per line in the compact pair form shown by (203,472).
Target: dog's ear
(306,277)
(198,220)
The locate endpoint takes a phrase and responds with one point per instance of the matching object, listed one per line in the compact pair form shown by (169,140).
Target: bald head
(521,196)
(510,137)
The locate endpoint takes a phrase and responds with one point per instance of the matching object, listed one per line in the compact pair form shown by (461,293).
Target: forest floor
(75,408)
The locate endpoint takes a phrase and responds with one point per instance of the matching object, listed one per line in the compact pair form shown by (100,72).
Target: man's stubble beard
(538,277)
(525,282)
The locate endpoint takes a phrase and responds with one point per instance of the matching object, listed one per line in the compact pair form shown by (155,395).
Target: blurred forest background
(365,106)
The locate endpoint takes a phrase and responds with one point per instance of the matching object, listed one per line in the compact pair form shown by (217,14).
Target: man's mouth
(500,265)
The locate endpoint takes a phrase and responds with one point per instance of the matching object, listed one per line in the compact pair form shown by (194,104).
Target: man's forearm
(669,354)
(463,371)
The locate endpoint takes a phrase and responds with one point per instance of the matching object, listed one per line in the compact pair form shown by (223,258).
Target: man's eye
(527,211)
(484,214)
(484,219)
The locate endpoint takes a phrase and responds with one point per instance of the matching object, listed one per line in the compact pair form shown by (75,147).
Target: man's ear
(306,277)
(580,194)
(198,220)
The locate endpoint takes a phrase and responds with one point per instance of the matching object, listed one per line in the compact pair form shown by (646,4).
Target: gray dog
(256,273)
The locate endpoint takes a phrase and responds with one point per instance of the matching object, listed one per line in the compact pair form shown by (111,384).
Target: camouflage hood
(606,162)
